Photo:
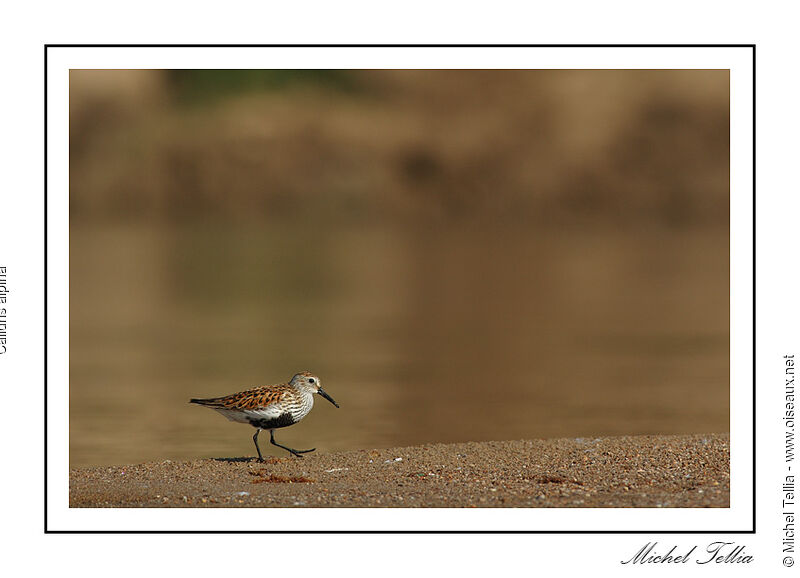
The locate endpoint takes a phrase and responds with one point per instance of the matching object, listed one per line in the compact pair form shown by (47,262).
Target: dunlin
(271,406)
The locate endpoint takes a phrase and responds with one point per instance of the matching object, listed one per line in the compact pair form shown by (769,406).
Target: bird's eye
(311,380)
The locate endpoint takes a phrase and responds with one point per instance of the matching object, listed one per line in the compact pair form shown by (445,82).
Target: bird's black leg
(255,441)
(290,450)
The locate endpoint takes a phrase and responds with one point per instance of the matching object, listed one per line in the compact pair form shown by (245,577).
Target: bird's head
(306,381)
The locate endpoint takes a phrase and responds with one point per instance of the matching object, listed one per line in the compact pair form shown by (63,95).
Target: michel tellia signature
(714,553)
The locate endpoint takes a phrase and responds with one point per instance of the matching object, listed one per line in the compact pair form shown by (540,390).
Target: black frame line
(45,290)
(751,46)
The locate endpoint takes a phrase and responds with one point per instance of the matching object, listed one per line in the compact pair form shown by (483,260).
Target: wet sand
(642,471)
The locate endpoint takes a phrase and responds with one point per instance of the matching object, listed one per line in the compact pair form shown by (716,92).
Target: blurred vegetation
(204,86)
(540,146)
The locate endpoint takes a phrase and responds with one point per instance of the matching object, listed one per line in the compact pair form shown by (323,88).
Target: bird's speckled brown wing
(251,399)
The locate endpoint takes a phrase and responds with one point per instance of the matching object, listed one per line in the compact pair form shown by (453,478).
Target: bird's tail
(211,402)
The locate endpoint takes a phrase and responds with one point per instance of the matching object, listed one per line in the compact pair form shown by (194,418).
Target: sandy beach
(641,471)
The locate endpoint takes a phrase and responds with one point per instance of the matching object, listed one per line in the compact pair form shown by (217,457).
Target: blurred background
(458,254)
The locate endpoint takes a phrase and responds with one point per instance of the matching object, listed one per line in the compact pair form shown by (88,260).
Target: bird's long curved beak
(324,394)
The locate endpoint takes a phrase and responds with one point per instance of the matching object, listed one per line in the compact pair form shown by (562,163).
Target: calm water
(421,335)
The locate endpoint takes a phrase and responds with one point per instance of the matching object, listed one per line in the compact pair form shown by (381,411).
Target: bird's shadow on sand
(236,460)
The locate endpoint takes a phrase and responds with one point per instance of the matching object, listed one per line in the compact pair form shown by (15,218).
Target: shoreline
(676,471)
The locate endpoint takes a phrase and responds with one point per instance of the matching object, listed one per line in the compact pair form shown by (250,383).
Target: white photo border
(738,518)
